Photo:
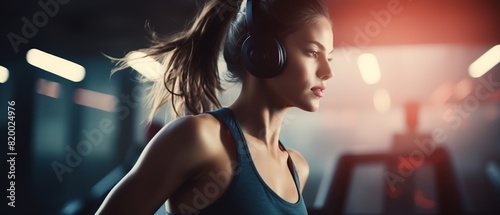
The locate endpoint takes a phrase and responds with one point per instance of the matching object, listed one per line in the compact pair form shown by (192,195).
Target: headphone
(263,56)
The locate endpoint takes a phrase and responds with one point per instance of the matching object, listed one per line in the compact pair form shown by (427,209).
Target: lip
(321,87)
(318,90)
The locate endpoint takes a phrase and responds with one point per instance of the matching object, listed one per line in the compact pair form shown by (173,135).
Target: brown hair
(189,58)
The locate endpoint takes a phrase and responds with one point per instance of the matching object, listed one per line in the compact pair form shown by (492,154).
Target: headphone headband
(262,55)
(249,17)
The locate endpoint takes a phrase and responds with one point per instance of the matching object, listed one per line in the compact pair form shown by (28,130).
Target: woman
(230,161)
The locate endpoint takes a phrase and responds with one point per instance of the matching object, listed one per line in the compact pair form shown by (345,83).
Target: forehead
(319,29)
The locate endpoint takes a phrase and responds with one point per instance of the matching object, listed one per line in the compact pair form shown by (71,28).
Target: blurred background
(410,124)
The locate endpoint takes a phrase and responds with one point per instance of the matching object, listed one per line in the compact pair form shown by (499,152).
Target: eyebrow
(321,46)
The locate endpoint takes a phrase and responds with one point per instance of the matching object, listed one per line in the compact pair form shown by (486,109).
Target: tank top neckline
(246,153)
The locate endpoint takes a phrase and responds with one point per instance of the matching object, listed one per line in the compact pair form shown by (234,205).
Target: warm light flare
(463,89)
(369,68)
(382,100)
(95,100)
(422,201)
(48,88)
(442,94)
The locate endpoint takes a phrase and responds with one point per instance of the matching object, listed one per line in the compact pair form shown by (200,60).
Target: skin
(186,153)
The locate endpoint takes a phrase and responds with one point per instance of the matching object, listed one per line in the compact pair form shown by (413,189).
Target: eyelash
(315,55)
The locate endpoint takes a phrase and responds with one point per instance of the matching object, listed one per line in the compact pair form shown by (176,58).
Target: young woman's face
(308,67)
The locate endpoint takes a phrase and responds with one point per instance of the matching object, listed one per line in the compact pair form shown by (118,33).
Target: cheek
(295,80)
(297,76)
(299,68)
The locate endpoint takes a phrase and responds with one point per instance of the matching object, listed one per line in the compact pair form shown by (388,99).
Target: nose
(325,70)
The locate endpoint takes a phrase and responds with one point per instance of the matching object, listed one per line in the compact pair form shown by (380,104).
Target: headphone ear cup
(280,56)
(263,57)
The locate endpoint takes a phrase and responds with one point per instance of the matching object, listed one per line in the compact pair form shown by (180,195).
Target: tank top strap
(226,116)
(294,171)
(248,194)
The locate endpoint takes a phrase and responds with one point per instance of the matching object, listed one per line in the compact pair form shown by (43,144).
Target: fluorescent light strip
(485,63)
(56,65)
(4,74)
(95,100)
(369,68)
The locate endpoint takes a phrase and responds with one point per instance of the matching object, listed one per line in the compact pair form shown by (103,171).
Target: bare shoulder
(301,165)
(183,144)
(166,163)
(189,133)
(189,127)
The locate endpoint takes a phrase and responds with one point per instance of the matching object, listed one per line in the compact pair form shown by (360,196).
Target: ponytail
(190,76)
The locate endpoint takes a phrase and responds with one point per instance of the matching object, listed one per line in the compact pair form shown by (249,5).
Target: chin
(315,108)
(311,107)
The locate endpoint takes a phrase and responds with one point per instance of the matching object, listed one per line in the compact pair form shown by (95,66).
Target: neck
(259,116)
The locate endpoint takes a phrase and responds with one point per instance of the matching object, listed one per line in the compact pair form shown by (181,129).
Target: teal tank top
(247,193)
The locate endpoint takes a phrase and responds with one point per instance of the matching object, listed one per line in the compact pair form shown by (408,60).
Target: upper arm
(301,166)
(164,165)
